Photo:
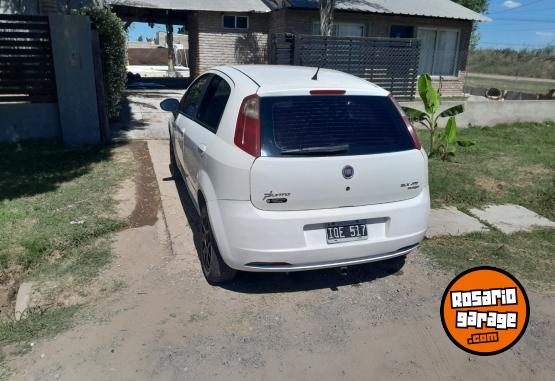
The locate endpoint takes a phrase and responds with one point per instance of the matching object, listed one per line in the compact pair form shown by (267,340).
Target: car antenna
(315,76)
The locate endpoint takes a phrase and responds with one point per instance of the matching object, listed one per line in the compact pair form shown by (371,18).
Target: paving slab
(510,218)
(451,221)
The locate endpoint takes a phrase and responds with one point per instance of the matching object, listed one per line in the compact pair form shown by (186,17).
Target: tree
(480,6)
(113,41)
(140,39)
(326,17)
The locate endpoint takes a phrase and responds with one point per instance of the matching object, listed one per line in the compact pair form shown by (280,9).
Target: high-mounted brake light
(408,124)
(327,92)
(247,130)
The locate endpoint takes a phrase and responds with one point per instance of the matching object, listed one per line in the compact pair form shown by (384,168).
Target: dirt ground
(369,322)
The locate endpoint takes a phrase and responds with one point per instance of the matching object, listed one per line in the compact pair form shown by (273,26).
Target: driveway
(370,322)
(141,117)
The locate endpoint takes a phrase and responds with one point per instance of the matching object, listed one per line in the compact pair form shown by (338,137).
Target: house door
(438,54)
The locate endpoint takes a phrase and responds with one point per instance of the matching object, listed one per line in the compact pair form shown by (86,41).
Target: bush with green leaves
(113,43)
(443,143)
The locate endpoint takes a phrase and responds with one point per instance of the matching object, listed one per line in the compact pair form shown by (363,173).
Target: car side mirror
(170,105)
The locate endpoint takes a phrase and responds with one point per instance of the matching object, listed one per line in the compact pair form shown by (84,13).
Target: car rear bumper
(251,239)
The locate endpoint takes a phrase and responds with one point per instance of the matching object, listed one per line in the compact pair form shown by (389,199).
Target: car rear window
(362,125)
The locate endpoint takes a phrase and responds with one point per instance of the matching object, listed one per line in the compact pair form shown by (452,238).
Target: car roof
(272,78)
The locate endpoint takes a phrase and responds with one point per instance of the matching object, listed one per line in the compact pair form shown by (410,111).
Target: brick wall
(212,45)
(451,87)
(218,46)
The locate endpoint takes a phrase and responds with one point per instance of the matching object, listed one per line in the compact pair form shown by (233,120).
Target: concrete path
(451,221)
(507,218)
(141,116)
(511,218)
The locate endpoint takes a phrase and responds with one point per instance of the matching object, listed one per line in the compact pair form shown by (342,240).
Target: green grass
(56,208)
(514,85)
(57,216)
(37,325)
(16,336)
(530,256)
(509,164)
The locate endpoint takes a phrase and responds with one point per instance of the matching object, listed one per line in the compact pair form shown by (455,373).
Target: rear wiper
(312,150)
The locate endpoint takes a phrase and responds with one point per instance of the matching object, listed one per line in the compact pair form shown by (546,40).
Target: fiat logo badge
(348,172)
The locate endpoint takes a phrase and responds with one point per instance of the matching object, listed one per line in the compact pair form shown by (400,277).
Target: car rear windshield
(331,125)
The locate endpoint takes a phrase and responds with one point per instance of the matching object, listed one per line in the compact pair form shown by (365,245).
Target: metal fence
(391,63)
(26,66)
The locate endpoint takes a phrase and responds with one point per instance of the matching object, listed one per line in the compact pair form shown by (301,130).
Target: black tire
(214,268)
(173,164)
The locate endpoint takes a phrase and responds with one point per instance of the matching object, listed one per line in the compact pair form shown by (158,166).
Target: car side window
(190,102)
(213,103)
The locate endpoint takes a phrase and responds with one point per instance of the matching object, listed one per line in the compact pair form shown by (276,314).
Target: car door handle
(201,149)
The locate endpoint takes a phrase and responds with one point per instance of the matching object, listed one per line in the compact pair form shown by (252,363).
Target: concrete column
(75,82)
(171,51)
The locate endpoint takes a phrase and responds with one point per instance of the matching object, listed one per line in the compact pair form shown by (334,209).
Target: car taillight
(408,124)
(247,130)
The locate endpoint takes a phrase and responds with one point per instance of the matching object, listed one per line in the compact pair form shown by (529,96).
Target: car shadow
(267,283)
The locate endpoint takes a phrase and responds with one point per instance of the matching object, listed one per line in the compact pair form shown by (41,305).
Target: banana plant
(444,144)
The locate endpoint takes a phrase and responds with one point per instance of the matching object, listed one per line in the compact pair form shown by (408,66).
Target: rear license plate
(337,233)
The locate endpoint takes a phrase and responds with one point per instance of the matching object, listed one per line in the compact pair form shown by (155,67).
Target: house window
(236,22)
(342,29)
(439,51)
(401,31)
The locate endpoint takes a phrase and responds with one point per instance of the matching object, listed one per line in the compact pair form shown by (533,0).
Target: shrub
(442,144)
(113,43)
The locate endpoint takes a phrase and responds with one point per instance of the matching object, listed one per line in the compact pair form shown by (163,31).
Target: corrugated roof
(197,5)
(428,8)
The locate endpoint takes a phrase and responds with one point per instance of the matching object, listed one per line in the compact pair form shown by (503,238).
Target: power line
(518,30)
(550,21)
(512,44)
(536,10)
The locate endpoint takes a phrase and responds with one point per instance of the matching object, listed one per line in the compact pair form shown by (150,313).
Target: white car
(294,168)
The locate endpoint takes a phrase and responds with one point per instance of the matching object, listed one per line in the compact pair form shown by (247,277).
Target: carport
(202,18)
(210,44)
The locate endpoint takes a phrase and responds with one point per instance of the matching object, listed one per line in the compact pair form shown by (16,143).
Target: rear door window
(190,102)
(331,125)
(213,103)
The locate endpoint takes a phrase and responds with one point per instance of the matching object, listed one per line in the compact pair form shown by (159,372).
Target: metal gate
(391,63)
(26,66)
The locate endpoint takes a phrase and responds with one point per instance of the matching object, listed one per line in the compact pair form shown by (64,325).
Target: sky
(516,24)
(519,24)
(142,29)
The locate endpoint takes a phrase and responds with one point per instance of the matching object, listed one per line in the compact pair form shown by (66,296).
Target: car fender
(214,213)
